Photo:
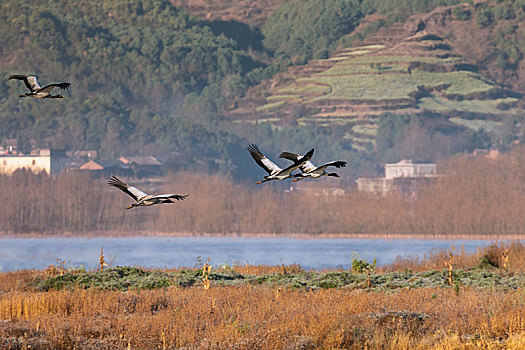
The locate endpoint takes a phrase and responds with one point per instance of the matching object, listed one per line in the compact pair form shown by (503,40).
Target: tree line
(472,196)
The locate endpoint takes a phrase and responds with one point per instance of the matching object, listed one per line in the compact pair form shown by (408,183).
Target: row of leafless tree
(474,196)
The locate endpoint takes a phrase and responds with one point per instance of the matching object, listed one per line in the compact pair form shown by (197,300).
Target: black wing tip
(17,76)
(253,148)
(340,164)
(310,153)
(114,181)
(64,86)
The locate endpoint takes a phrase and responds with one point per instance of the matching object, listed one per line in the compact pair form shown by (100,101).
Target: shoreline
(393,236)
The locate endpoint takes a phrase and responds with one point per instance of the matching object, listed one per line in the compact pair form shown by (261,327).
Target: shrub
(495,256)
(461,13)
(505,12)
(484,17)
(363,266)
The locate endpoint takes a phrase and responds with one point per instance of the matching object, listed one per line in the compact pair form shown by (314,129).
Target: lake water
(169,252)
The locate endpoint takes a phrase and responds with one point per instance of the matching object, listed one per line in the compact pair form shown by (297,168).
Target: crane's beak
(129,207)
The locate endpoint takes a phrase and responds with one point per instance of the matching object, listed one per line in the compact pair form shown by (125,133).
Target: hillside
(367,81)
(250,12)
(424,66)
(143,75)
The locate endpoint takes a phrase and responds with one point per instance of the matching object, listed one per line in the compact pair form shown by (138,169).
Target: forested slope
(149,77)
(132,64)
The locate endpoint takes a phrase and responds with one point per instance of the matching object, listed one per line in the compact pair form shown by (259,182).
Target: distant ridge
(408,68)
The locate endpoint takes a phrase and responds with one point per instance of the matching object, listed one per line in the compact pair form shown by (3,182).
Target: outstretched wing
(134,192)
(166,197)
(336,163)
(49,87)
(298,163)
(261,159)
(289,155)
(29,80)
(307,167)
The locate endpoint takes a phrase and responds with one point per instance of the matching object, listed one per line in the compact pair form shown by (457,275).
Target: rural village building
(143,166)
(51,161)
(82,154)
(403,176)
(105,168)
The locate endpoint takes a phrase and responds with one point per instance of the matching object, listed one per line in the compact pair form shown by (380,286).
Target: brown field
(257,317)
(264,317)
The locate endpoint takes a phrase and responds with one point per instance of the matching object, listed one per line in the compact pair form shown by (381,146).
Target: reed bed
(472,197)
(264,318)
(509,255)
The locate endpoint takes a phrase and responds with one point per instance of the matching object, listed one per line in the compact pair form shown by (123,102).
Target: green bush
(484,17)
(505,12)
(117,278)
(363,266)
(461,14)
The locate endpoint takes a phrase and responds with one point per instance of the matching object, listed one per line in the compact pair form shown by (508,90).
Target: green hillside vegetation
(419,74)
(302,30)
(149,77)
(381,78)
(351,89)
(396,86)
(477,124)
(404,8)
(143,74)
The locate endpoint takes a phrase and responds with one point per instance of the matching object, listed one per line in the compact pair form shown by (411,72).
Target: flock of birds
(299,162)
(303,163)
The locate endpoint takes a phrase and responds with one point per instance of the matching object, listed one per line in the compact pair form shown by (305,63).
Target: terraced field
(418,74)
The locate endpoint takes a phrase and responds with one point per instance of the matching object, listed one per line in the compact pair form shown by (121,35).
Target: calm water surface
(169,252)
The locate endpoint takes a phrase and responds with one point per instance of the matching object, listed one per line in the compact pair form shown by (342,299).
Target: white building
(403,177)
(405,168)
(48,160)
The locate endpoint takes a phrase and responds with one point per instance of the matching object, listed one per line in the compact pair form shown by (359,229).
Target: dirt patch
(244,11)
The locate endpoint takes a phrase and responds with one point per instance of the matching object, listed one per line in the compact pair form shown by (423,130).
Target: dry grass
(266,269)
(247,269)
(250,317)
(16,280)
(495,255)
